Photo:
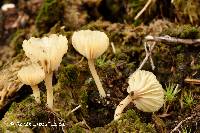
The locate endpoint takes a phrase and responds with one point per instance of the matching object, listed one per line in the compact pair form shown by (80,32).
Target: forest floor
(177,66)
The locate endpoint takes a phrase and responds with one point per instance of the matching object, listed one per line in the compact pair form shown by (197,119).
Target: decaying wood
(9,83)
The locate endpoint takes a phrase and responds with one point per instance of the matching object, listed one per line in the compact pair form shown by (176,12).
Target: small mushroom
(91,44)
(145,92)
(32,75)
(7,6)
(48,52)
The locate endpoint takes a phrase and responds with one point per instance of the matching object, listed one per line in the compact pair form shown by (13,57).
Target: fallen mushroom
(91,44)
(145,92)
(48,52)
(32,75)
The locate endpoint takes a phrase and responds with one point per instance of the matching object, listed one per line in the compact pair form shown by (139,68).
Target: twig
(145,47)
(152,64)
(80,61)
(84,125)
(113,47)
(192,81)
(151,60)
(180,123)
(143,9)
(84,122)
(148,54)
(144,61)
(172,40)
(73,110)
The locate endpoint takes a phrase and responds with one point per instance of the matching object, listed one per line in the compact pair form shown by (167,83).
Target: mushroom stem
(36,93)
(48,83)
(121,106)
(96,77)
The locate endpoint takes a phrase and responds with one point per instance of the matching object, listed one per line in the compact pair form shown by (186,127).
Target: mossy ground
(74,85)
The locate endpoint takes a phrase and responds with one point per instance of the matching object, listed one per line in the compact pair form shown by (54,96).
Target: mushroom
(145,92)
(91,44)
(32,75)
(7,6)
(48,52)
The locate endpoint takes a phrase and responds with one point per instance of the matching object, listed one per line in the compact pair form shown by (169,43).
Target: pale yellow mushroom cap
(48,51)
(90,44)
(148,92)
(31,75)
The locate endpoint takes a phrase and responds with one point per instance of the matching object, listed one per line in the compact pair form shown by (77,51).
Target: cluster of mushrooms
(46,54)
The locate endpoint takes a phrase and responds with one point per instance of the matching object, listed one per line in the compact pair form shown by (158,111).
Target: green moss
(17,40)
(188,99)
(189,31)
(67,98)
(101,62)
(181,67)
(83,100)
(187,11)
(44,20)
(180,58)
(16,114)
(130,122)
(27,111)
(196,67)
(121,57)
(69,74)
(183,31)
(76,129)
(63,100)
